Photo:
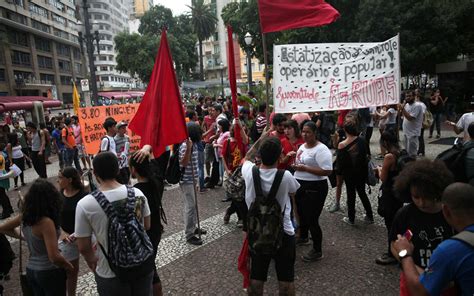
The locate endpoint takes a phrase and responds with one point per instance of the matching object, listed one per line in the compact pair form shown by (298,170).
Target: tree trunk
(201,62)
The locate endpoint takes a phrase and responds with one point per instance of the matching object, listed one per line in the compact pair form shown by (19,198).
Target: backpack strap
(276,184)
(256,181)
(466,237)
(104,204)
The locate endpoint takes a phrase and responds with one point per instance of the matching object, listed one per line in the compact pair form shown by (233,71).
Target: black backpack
(265,217)
(130,252)
(455,159)
(174,171)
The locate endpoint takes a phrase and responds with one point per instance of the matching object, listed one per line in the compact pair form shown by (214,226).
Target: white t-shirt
(318,156)
(392,117)
(412,128)
(288,186)
(464,123)
(91,219)
(110,143)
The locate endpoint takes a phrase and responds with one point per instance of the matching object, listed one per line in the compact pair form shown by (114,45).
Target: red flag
(159,120)
(233,82)
(279,15)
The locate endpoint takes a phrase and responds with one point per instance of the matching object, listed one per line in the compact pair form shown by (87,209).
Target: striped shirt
(260,122)
(188,172)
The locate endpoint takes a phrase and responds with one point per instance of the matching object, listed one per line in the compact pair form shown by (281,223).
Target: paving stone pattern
(211,269)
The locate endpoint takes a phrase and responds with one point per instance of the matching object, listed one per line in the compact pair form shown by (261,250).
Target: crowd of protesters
(286,157)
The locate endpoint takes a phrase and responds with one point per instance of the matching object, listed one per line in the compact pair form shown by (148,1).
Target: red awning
(25,103)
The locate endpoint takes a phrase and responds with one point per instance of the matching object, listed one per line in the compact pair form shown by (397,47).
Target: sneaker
(302,242)
(312,256)
(430,136)
(201,230)
(368,221)
(226,199)
(336,207)
(385,259)
(203,190)
(347,221)
(240,224)
(438,136)
(194,241)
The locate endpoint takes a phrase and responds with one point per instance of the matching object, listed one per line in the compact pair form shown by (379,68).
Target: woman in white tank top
(16,156)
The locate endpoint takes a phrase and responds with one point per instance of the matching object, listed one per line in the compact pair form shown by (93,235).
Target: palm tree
(204,23)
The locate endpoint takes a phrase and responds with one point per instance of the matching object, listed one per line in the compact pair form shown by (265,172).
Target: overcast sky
(177,6)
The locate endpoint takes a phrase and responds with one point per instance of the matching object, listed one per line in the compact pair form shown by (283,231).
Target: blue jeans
(201,169)
(70,156)
(437,123)
(47,282)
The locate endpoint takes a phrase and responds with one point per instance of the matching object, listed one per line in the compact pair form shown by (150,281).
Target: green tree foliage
(431,31)
(137,52)
(204,25)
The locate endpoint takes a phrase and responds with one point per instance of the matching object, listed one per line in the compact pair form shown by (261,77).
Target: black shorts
(284,262)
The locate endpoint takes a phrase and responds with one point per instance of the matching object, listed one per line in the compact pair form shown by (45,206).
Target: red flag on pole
(159,120)
(279,15)
(233,82)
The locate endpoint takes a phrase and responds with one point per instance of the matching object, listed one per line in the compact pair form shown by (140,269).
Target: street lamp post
(222,80)
(89,38)
(248,49)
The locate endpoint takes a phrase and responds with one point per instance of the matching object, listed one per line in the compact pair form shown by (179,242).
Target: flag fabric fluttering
(233,82)
(76,99)
(279,15)
(159,120)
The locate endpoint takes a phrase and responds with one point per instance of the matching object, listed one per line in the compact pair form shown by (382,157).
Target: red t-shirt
(299,141)
(232,153)
(208,121)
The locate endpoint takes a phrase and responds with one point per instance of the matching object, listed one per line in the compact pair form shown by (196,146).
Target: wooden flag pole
(267,79)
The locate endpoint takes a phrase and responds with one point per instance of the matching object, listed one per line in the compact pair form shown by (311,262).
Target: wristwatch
(403,254)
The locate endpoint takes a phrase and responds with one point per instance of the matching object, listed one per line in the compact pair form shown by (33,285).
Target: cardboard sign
(91,120)
(335,76)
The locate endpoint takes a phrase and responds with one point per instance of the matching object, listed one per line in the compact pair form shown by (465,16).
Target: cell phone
(408,234)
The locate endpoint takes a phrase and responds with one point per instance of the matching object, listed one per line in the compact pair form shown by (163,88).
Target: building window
(42,44)
(18,38)
(111,58)
(40,26)
(61,34)
(67,98)
(13,16)
(71,11)
(2,75)
(47,78)
(45,62)
(63,49)
(21,58)
(19,3)
(102,58)
(65,80)
(59,19)
(76,53)
(216,36)
(77,68)
(36,9)
(103,68)
(105,78)
(56,3)
(64,66)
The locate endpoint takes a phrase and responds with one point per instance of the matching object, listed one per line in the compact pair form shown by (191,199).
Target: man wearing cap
(122,147)
(108,142)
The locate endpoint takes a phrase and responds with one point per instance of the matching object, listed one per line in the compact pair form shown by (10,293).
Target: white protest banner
(335,76)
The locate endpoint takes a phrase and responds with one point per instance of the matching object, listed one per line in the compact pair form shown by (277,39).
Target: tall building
(215,50)
(39,48)
(139,7)
(109,17)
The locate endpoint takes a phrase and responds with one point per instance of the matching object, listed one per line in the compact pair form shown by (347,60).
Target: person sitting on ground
(269,150)
(422,220)
(72,191)
(453,259)
(389,204)
(40,216)
(352,162)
